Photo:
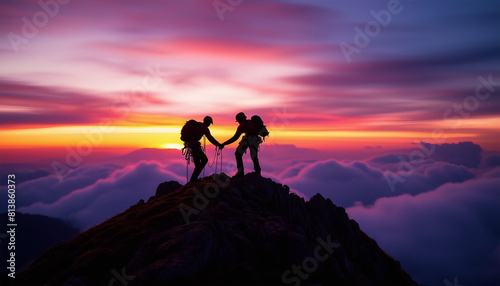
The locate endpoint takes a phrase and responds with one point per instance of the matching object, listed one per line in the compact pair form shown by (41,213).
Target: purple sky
(406,64)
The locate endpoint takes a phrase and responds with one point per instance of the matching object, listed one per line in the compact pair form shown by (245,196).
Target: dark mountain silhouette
(35,234)
(147,154)
(248,231)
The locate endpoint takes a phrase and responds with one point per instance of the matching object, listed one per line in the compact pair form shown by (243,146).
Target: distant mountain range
(221,231)
(34,235)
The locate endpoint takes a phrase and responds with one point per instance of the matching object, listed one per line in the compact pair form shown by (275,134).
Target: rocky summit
(221,231)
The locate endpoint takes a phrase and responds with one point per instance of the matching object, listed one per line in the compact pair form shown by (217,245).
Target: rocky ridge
(218,231)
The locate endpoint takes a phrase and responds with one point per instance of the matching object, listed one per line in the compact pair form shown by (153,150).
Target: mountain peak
(222,231)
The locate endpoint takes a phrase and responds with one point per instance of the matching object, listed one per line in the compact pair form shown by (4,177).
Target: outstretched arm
(211,138)
(237,135)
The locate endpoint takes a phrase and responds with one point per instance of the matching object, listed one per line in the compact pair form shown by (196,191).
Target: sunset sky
(348,89)
(146,67)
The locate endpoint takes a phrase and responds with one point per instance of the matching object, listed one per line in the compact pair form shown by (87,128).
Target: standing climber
(191,134)
(254,131)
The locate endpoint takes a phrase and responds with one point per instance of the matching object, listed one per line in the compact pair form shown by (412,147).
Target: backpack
(189,131)
(259,126)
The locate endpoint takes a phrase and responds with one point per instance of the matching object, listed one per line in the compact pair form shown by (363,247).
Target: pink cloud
(48,189)
(32,104)
(347,183)
(106,197)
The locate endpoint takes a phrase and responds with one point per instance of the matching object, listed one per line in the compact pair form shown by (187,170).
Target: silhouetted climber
(191,134)
(255,131)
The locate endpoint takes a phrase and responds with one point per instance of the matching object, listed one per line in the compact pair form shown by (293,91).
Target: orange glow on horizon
(160,131)
(169,137)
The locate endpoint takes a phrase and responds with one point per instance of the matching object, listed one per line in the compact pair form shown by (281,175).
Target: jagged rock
(166,188)
(247,231)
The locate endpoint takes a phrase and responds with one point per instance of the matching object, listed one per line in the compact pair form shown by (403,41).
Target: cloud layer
(96,193)
(449,232)
(348,183)
(440,222)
